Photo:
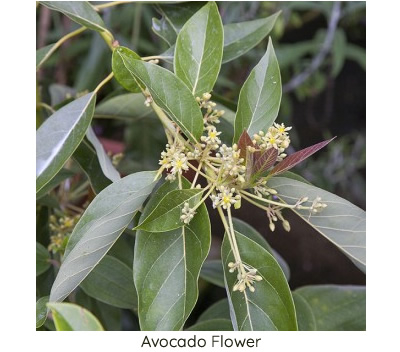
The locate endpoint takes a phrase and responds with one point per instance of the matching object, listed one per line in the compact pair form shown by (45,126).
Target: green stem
(197,175)
(234,242)
(61,41)
(283,205)
(110,4)
(228,232)
(201,173)
(103,82)
(46,106)
(205,197)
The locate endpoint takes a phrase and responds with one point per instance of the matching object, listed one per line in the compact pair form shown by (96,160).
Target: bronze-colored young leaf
(296,158)
(265,160)
(244,142)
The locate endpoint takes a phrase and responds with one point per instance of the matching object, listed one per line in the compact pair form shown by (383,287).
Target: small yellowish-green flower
(232,163)
(179,163)
(225,197)
(187,213)
(212,137)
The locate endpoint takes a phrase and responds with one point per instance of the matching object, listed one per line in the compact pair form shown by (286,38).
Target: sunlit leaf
(260,96)
(71,317)
(98,229)
(59,136)
(198,50)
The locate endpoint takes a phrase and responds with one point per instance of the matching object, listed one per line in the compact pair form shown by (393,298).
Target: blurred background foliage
(331,101)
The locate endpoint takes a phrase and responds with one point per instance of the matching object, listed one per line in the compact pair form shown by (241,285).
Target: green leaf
(250,232)
(218,310)
(340,222)
(42,55)
(239,38)
(174,16)
(260,96)
(111,282)
(105,163)
(330,308)
(294,176)
(41,311)
(121,72)
(271,306)
(85,155)
(167,266)
(79,11)
(198,50)
(61,176)
(338,51)
(167,90)
(71,317)
(166,215)
(212,325)
(42,259)
(129,106)
(98,229)
(213,272)
(59,136)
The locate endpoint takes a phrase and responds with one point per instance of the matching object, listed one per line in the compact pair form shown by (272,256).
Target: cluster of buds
(261,189)
(245,278)
(226,197)
(232,163)
(274,214)
(212,115)
(175,159)
(276,137)
(187,213)
(317,206)
(61,227)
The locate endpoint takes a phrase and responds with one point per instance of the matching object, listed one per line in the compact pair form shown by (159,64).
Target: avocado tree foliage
(161,213)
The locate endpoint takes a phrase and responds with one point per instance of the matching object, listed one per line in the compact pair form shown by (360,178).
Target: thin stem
(283,205)
(205,197)
(110,4)
(227,230)
(253,202)
(160,57)
(180,181)
(103,82)
(234,241)
(201,173)
(61,41)
(197,175)
(46,106)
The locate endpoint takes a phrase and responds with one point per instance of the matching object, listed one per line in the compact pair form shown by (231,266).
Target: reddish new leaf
(293,159)
(243,143)
(265,160)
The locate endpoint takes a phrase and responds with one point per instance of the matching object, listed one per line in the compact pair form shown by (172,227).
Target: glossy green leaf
(43,54)
(79,11)
(213,272)
(98,229)
(212,325)
(294,176)
(218,310)
(250,232)
(167,90)
(340,222)
(104,160)
(174,16)
(167,266)
(331,308)
(59,136)
(198,50)
(61,176)
(270,306)
(42,259)
(129,106)
(239,38)
(166,215)
(121,72)
(111,282)
(71,317)
(41,311)
(85,155)
(260,96)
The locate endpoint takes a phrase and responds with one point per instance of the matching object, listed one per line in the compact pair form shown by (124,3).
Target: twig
(320,57)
